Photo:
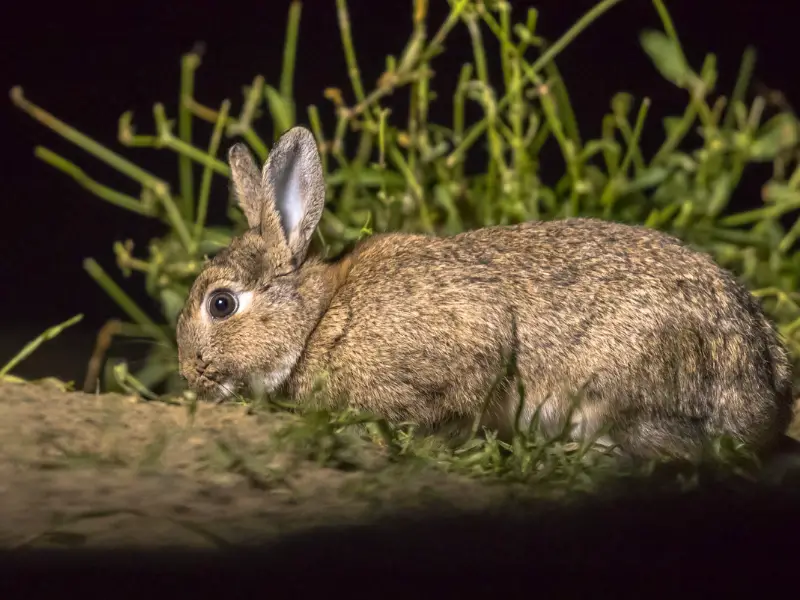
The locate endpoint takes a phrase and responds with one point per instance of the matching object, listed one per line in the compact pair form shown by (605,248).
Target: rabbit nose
(200,365)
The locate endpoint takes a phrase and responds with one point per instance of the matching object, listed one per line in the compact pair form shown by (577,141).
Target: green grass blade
(31,346)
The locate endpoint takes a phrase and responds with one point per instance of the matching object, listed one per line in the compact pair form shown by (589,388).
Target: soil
(81,470)
(107,470)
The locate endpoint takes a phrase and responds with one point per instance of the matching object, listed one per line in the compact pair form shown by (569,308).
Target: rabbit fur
(665,349)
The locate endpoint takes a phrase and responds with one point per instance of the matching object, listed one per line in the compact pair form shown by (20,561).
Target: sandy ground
(80,470)
(107,470)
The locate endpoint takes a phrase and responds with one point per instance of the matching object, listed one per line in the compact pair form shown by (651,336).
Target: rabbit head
(250,309)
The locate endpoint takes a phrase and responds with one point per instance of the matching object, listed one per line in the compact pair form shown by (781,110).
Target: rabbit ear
(295,188)
(246,183)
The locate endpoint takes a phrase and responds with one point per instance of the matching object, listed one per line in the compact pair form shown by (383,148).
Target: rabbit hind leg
(675,437)
(565,414)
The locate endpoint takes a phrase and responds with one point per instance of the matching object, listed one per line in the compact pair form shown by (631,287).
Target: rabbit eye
(222,304)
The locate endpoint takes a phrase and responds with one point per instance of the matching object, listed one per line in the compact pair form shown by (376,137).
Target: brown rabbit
(666,349)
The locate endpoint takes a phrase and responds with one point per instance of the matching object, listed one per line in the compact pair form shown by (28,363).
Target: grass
(31,347)
(391,172)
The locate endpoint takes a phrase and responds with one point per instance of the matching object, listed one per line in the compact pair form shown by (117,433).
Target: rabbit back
(664,347)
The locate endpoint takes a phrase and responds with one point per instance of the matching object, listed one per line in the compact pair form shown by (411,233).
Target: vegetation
(387,172)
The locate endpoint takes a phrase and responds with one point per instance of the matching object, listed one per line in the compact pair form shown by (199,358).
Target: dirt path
(80,470)
(84,470)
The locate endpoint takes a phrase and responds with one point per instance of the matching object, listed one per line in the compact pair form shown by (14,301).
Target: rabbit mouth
(206,382)
(219,392)
(213,386)
(212,390)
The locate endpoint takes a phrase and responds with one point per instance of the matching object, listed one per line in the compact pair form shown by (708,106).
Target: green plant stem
(419,195)
(666,21)
(98,150)
(531,71)
(290,49)
(165,139)
(608,196)
(561,97)
(157,186)
(438,38)
(205,183)
(676,136)
(345,30)
(573,32)
(794,180)
(490,108)
(742,81)
(106,193)
(175,219)
(234,127)
(633,144)
(316,126)
(31,347)
(252,100)
(189,64)
(125,302)
(408,74)
(760,214)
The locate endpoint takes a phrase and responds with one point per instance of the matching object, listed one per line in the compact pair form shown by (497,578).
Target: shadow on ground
(708,543)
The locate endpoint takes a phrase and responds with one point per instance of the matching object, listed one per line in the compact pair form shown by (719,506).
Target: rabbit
(664,348)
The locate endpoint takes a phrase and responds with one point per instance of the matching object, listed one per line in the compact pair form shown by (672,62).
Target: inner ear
(295,187)
(288,199)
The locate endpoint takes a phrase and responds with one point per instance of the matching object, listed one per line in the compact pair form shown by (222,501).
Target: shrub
(388,173)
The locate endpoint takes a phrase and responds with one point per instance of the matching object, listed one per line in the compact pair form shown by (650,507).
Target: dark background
(87,63)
